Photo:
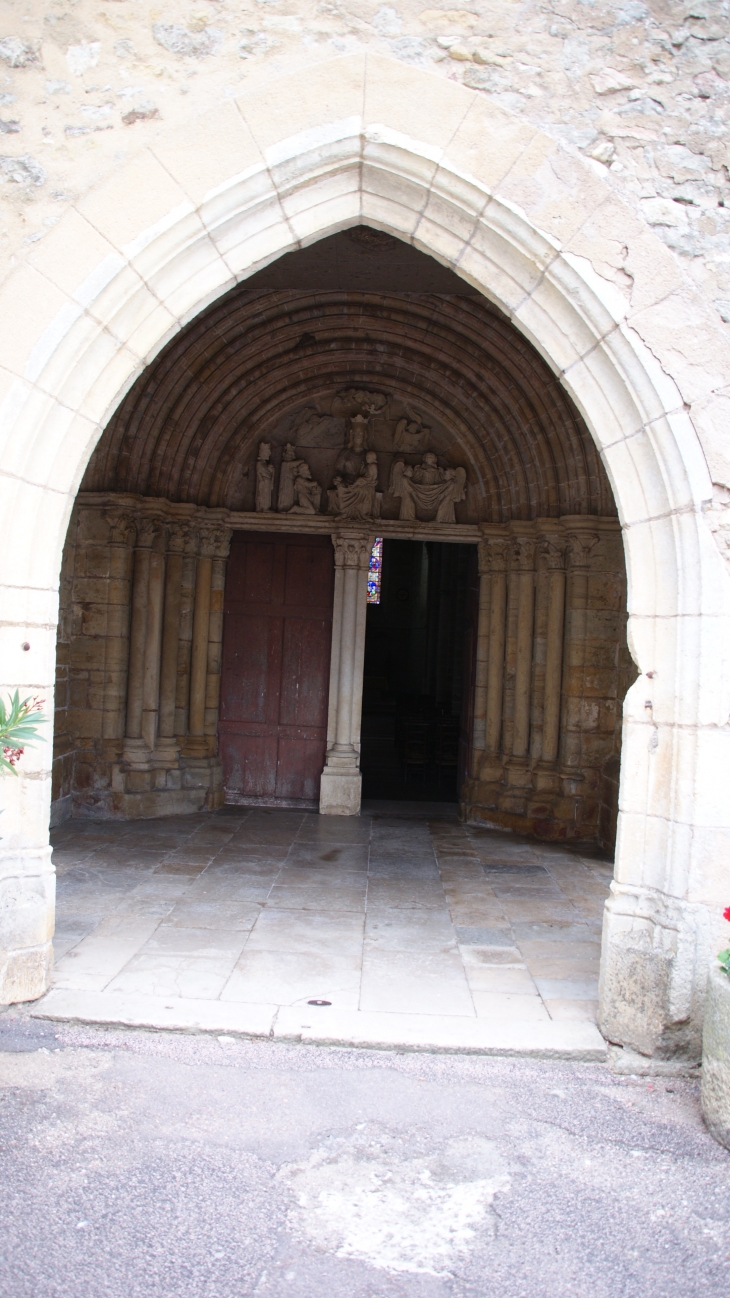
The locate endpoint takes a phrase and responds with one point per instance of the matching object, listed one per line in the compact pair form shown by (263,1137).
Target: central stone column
(341,785)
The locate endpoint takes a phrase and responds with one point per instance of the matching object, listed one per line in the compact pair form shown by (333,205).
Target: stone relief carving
(264,479)
(288,473)
(307,492)
(349,443)
(360,499)
(425,488)
(354,401)
(350,462)
(319,430)
(411,436)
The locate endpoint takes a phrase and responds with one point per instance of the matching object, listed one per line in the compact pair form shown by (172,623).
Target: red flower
(726,914)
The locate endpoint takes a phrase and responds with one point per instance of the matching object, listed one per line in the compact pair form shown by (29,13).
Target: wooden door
(277,632)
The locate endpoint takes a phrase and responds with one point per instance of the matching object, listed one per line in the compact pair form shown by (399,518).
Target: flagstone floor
(415,929)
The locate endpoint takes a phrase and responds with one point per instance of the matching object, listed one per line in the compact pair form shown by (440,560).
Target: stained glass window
(375,571)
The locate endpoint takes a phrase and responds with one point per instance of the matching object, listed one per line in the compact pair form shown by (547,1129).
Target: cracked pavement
(152,1163)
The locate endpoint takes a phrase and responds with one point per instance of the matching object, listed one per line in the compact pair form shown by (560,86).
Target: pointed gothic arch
(533,230)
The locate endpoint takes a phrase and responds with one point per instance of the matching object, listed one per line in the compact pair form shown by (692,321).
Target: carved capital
(551,550)
(177,537)
(493,554)
(352,549)
(191,543)
(523,553)
(215,540)
(149,532)
(579,546)
(122,526)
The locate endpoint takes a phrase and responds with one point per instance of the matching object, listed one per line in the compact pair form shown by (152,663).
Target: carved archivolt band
(238,372)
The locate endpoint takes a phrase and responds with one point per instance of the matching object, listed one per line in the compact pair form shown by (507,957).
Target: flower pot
(716,1057)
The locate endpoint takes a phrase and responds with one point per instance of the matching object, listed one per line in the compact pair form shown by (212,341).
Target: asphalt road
(138,1165)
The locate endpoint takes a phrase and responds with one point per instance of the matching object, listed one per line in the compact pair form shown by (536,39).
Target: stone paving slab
(418,930)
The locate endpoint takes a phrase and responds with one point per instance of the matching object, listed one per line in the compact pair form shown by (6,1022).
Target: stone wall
(139,660)
(553,667)
(639,88)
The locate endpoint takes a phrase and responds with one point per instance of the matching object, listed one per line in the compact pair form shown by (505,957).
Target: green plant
(724,956)
(19,724)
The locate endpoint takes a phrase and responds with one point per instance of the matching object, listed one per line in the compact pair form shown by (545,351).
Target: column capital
(493,554)
(177,537)
(523,553)
(352,549)
(122,526)
(150,531)
(551,551)
(579,546)
(215,540)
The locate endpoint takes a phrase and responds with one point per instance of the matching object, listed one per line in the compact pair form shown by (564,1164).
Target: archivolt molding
(189,426)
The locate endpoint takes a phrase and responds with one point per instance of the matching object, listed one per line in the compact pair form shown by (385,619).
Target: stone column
(482,649)
(221,544)
(122,532)
(153,641)
(341,784)
(553,552)
(579,546)
(523,553)
(135,748)
(493,555)
(197,745)
(167,749)
(185,636)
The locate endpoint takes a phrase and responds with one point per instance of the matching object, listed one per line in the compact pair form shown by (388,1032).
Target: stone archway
(296,357)
(584,281)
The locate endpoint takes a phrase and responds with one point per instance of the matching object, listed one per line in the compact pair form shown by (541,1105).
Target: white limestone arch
(540,233)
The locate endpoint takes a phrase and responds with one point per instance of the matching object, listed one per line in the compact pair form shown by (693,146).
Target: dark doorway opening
(418,676)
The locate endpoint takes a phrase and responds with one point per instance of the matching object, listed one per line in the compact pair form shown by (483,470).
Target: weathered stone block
(716,1057)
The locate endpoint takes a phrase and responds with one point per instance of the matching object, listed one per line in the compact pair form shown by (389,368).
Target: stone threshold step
(315,1025)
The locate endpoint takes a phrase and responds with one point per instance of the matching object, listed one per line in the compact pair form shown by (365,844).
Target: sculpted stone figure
(427,473)
(307,492)
(264,479)
(350,463)
(425,488)
(290,467)
(360,499)
(410,436)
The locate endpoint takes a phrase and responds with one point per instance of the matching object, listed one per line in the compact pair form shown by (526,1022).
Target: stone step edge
(577,1041)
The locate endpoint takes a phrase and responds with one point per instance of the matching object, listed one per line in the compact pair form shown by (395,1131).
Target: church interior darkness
(414,687)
